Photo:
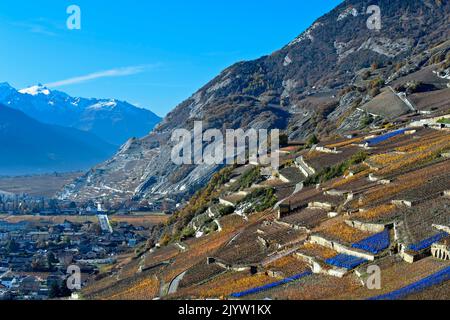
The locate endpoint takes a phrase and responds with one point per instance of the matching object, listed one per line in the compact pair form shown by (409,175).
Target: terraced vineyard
(320,240)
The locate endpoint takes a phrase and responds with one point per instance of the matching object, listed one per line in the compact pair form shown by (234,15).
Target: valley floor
(37,185)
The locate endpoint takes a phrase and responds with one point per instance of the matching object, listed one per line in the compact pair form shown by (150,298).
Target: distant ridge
(29,147)
(112,120)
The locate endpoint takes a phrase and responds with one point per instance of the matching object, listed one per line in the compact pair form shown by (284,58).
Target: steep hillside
(318,83)
(29,146)
(379,199)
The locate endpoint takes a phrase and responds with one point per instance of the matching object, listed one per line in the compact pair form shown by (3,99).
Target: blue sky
(152,53)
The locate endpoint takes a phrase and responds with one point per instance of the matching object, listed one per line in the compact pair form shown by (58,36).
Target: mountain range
(111,120)
(318,84)
(31,147)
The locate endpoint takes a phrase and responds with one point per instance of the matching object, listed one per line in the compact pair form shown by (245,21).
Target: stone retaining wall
(340,248)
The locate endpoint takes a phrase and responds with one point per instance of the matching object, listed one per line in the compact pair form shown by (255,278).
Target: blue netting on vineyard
(270,285)
(374,244)
(345,261)
(426,243)
(433,280)
(384,137)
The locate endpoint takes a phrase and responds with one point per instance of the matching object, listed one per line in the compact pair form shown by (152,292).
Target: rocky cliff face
(297,89)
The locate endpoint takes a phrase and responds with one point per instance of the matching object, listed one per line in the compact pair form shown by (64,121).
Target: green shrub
(288,163)
(312,140)
(226,210)
(444,121)
(248,179)
(376,83)
(187,232)
(335,171)
(261,199)
(367,120)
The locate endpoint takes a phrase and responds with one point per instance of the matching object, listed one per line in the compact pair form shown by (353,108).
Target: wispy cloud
(118,72)
(35,27)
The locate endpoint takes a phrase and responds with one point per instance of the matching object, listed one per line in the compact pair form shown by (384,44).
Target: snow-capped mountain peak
(104,104)
(112,120)
(36,90)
